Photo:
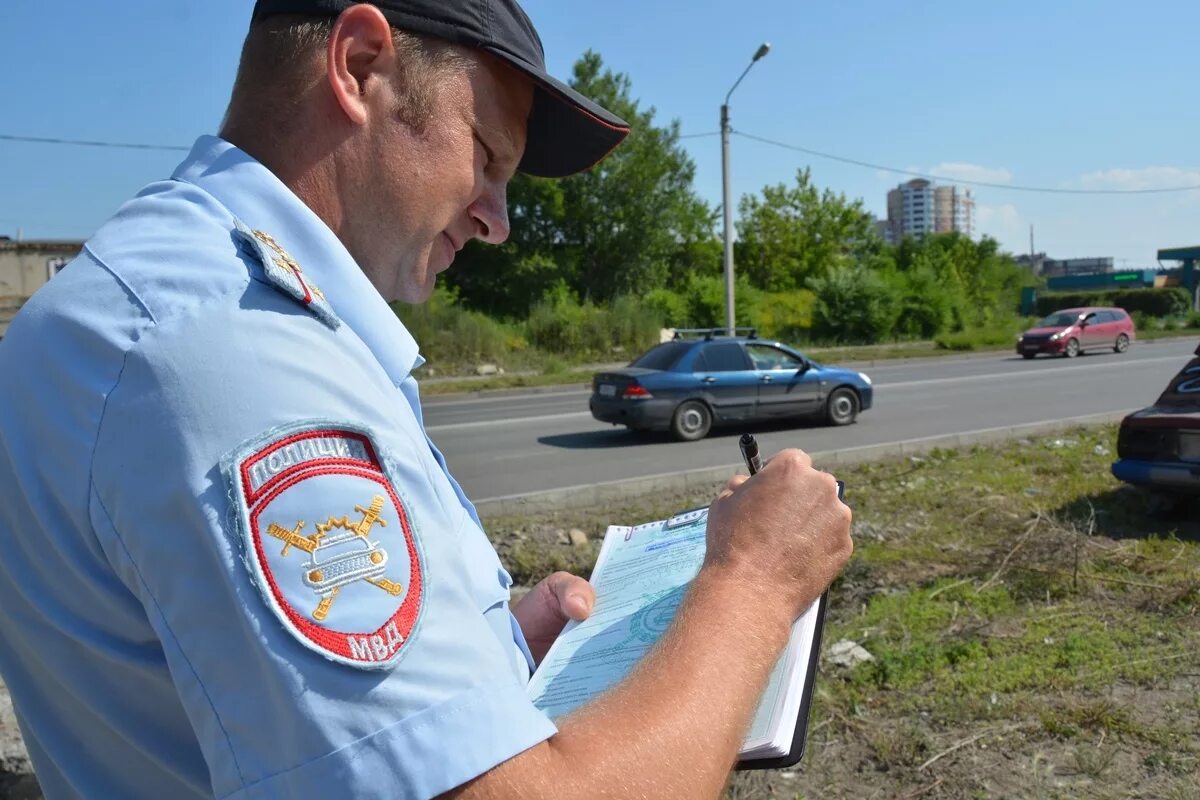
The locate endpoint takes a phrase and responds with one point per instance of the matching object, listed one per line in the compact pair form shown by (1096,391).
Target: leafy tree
(854,305)
(976,280)
(794,233)
(630,224)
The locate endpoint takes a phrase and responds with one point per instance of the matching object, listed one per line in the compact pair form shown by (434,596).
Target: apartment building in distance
(919,207)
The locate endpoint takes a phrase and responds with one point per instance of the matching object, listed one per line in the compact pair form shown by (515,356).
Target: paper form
(640,577)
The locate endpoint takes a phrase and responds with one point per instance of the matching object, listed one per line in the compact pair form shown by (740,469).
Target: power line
(86,143)
(752,137)
(1043,189)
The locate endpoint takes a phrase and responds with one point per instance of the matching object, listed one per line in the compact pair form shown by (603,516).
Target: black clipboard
(810,678)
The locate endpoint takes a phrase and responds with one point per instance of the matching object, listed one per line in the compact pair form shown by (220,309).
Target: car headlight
(865,379)
(1020,337)
(1054,337)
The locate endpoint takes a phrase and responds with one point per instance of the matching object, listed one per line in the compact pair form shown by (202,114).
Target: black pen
(749,447)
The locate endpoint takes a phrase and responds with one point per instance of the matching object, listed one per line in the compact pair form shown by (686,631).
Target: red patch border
(253,495)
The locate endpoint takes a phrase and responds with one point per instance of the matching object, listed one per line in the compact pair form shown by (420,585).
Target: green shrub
(1002,332)
(961,340)
(561,324)
(927,306)
(1159,302)
(853,306)
(787,316)
(1141,320)
(1155,302)
(451,336)
(705,298)
(633,323)
(997,335)
(671,308)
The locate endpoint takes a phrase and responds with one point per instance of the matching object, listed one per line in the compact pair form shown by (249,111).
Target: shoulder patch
(328,541)
(285,274)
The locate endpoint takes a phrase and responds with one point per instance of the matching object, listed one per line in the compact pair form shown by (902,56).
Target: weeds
(1026,644)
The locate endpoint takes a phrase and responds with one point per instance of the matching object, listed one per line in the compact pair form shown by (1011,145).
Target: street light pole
(727,202)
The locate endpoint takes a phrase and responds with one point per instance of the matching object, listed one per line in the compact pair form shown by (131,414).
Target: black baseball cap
(567,133)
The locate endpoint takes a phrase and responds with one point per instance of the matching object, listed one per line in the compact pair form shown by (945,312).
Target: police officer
(232,564)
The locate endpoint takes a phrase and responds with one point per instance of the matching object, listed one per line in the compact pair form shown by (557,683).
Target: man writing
(231,562)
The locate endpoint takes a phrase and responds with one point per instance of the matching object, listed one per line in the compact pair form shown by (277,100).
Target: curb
(595,494)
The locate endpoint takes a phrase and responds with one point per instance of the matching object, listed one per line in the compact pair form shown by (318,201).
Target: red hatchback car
(1071,331)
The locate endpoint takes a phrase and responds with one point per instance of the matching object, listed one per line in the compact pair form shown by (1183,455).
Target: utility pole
(1033,265)
(727,191)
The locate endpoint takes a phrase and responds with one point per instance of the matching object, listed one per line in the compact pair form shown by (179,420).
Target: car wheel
(1028,356)
(1122,344)
(1072,348)
(691,421)
(842,407)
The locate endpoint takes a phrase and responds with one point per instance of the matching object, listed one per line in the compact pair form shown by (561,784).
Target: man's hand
(545,610)
(784,532)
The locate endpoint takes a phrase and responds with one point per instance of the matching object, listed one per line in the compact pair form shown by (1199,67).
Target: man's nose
(490,213)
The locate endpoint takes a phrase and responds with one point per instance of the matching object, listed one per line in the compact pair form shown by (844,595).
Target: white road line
(492,423)
(433,402)
(999,376)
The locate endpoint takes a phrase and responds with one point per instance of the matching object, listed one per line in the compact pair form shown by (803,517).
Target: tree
(794,233)
(855,305)
(976,280)
(631,224)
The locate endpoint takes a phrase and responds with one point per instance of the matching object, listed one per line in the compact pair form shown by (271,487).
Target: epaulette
(284,273)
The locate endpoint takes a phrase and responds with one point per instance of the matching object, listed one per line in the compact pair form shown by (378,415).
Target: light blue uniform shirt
(231,562)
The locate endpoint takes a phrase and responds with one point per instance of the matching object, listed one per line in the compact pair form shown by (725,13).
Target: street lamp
(763,49)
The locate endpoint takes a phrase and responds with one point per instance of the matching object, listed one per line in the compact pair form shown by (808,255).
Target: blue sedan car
(686,386)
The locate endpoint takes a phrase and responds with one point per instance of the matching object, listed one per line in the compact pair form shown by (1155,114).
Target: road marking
(998,376)
(487,423)
(434,402)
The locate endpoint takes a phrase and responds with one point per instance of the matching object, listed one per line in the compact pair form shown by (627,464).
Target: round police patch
(328,542)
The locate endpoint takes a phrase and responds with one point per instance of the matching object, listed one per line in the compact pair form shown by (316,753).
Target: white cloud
(1002,223)
(1143,178)
(962,171)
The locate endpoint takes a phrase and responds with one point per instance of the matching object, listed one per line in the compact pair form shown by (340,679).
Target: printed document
(641,575)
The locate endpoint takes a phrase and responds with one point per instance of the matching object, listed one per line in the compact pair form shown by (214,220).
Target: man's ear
(360,52)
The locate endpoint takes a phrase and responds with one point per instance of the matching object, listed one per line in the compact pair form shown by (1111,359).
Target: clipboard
(810,676)
(796,755)
(622,545)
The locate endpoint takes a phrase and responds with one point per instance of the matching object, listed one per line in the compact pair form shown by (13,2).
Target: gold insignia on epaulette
(285,261)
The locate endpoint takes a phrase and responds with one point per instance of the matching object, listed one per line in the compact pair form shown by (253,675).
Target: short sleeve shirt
(232,564)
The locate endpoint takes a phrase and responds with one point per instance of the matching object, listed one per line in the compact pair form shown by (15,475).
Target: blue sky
(1057,93)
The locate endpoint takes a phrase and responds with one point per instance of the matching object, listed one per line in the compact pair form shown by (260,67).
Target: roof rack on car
(711,333)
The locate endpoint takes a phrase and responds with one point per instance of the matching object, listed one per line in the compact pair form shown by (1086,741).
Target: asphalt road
(517,443)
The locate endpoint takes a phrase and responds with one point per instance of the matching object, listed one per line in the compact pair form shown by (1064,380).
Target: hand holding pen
(784,531)
(749,446)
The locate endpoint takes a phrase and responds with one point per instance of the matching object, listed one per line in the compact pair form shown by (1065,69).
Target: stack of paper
(640,578)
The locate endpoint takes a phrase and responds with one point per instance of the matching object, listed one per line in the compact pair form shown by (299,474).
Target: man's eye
(489,157)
